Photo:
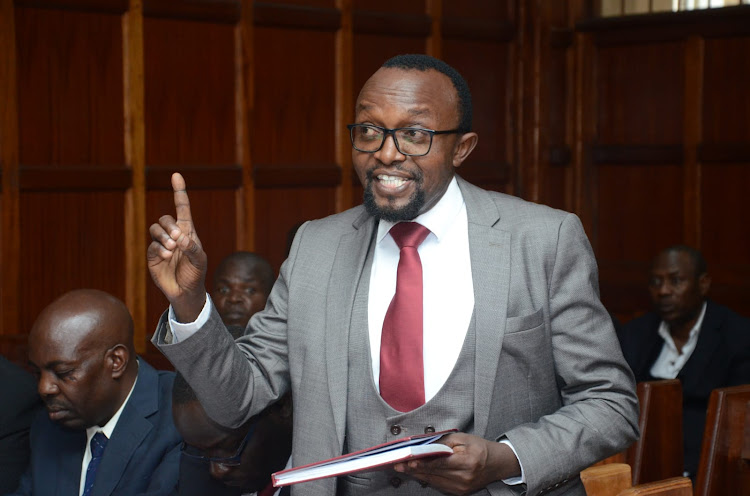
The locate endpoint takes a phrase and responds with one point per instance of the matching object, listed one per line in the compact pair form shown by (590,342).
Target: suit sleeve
(165,476)
(235,381)
(599,412)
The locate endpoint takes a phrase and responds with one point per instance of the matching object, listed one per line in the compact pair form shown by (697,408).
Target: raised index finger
(181,201)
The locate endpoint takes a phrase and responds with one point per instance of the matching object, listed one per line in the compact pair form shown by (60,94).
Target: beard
(392,214)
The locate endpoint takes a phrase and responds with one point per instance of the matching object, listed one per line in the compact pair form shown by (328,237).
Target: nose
(664,289)
(235,296)
(219,471)
(389,153)
(46,386)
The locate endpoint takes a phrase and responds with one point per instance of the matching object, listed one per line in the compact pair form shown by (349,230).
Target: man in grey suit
(515,349)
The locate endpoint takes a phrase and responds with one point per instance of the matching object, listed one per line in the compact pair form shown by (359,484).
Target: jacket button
(395,481)
(396,430)
(429,429)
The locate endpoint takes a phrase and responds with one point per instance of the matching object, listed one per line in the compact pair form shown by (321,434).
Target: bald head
(82,346)
(85,317)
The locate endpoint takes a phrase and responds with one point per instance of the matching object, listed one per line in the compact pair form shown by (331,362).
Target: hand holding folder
(383,455)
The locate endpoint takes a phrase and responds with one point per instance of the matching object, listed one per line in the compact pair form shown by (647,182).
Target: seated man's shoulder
(731,322)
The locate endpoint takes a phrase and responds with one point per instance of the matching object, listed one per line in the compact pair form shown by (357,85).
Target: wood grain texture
(189,98)
(70,88)
(606,480)
(658,454)
(677,486)
(10,246)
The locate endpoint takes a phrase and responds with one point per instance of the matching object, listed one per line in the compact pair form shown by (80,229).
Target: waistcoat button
(429,429)
(396,430)
(395,481)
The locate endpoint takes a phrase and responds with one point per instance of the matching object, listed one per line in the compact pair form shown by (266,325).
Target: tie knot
(98,443)
(409,234)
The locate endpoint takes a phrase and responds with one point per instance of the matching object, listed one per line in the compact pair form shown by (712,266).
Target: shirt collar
(437,219)
(666,336)
(109,427)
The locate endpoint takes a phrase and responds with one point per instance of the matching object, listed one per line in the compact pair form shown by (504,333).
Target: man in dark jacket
(703,344)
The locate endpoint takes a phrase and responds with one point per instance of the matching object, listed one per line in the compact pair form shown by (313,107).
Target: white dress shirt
(107,429)
(448,300)
(671,361)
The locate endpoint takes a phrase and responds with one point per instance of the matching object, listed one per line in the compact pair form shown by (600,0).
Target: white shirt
(448,300)
(671,361)
(107,430)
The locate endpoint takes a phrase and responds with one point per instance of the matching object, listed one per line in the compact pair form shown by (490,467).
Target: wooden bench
(658,454)
(675,486)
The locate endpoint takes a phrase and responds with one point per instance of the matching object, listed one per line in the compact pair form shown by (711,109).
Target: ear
(464,146)
(118,358)
(704,284)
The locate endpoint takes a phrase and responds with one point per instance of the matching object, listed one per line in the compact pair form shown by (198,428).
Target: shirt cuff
(514,481)
(181,331)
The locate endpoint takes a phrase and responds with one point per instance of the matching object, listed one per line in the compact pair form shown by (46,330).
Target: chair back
(606,480)
(675,486)
(724,466)
(658,454)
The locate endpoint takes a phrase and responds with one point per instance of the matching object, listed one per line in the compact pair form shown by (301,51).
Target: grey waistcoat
(371,421)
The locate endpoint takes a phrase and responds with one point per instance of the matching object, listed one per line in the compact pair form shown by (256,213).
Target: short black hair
(696,257)
(421,62)
(261,267)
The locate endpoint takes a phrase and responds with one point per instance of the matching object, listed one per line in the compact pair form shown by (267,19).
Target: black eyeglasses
(411,141)
(232,461)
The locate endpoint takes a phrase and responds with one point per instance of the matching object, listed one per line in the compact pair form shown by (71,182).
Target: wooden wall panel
(487,69)
(726,240)
(726,108)
(280,210)
(488,10)
(70,88)
(640,93)
(189,93)
(69,240)
(294,97)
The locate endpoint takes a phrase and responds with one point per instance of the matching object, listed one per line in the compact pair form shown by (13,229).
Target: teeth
(391,181)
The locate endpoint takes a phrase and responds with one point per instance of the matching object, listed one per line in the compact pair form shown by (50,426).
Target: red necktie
(401,367)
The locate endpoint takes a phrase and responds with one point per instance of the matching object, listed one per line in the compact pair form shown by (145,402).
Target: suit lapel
(489,248)
(131,429)
(348,264)
(708,340)
(69,456)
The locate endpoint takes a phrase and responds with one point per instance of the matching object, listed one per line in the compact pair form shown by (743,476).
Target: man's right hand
(176,259)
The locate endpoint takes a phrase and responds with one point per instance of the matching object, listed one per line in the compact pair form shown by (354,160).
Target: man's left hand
(475,463)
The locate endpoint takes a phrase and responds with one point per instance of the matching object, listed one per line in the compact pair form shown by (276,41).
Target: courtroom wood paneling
(70,87)
(279,210)
(189,93)
(487,70)
(69,241)
(294,97)
(214,217)
(724,207)
(640,93)
(726,108)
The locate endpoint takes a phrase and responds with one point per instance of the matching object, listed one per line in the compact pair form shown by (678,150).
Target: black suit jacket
(721,358)
(19,401)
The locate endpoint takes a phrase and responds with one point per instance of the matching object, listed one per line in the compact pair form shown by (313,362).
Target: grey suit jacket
(550,375)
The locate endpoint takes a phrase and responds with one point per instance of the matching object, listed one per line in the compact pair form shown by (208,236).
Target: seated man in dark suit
(703,344)
(243,458)
(108,426)
(18,406)
(242,282)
